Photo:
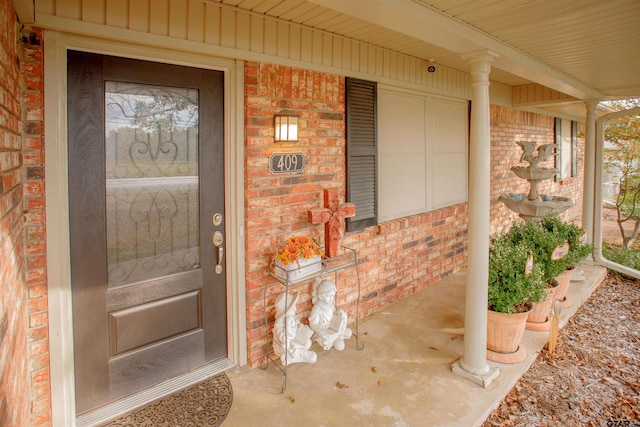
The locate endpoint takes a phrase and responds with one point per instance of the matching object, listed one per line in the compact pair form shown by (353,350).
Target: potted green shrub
(514,284)
(570,233)
(542,243)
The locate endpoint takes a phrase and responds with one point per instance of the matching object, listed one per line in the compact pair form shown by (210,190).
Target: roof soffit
(432,26)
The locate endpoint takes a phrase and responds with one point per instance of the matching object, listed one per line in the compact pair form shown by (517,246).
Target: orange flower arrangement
(295,248)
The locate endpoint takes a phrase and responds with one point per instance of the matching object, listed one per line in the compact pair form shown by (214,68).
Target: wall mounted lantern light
(286,128)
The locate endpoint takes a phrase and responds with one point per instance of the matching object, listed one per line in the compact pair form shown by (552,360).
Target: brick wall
(276,205)
(32,74)
(507,127)
(395,258)
(14,379)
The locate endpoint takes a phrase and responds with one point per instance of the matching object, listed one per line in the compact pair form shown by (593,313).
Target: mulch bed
(593,376)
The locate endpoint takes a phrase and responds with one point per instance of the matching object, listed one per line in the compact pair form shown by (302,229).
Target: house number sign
(287,162)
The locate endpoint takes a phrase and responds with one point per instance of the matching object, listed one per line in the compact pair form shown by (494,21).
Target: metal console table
(328,265)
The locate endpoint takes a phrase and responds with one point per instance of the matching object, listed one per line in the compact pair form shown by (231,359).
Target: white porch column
(588,188)
(473,363)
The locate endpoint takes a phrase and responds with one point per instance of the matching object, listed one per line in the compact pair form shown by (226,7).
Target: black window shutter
(362,148)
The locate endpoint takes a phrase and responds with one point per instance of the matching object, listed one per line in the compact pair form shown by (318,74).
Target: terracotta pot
(505,331)
(564,280)
(538,319)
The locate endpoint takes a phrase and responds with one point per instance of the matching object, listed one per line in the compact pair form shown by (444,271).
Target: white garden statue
(328,324)
(290,334)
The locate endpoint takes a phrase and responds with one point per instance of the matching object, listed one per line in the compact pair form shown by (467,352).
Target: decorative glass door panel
(151,151)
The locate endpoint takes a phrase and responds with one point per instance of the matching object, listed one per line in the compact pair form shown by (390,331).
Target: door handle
(218,238)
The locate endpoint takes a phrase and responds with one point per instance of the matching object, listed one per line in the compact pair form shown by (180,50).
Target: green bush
(510,289)
(569,232)
(541,242)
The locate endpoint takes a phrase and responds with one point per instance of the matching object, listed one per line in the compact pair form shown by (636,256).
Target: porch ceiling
(588,49)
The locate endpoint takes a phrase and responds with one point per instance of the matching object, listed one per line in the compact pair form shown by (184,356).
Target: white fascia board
(25,9)
(432,26)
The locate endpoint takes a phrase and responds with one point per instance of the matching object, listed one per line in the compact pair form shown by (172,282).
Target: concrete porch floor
(403,375)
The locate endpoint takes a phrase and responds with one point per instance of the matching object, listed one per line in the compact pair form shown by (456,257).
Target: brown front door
(146,215)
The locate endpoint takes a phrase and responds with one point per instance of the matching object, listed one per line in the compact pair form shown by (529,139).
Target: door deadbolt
(217,219)
(217,239)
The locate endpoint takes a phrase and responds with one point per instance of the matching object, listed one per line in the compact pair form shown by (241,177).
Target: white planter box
(299,269)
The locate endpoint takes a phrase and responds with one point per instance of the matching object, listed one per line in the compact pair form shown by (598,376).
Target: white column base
(482,379)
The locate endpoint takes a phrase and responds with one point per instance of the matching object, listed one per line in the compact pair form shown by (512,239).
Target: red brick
(14,387)
(38,319)
(37,291)
(38,334)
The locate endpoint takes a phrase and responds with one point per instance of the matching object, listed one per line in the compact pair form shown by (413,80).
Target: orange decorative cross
(332,216)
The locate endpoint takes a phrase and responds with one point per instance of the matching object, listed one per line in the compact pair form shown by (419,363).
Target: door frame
(58,260)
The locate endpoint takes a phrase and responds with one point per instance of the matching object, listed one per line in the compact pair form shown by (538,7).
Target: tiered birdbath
(534,206)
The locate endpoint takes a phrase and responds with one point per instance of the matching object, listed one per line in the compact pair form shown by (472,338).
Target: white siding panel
(139,16)
(195,19)
(386,64)
(499,93)
(409,69)
(327,49)
(373,63)
(93,11)
(243,32)
(178,19)
(337,44)
(46,7)
(306,47)
(295,40)
(159,17)
(535,93)
(393,66)
(257,34)
(379,61)
(317,47)
(346,54)
(283,45)
(228,28)
(270,37)
(355,56)
(363,57)
(67,9)
(212,25)
(118,13)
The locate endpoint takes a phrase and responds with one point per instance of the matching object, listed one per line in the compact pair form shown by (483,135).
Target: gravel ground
(593,376)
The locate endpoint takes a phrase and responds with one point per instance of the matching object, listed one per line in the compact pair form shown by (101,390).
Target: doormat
(204,404)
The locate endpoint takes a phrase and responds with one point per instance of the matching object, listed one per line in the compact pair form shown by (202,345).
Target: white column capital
(480,64)
(485,55)
(592,105)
